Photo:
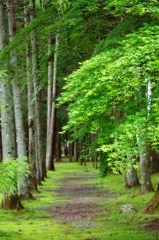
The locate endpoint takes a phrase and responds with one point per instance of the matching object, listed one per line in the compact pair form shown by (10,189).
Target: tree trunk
(153,206)
(49,87)
(146,184)
(23,187)
(58,146)
(65,145)
(37,97)
(33,161)
(12,202)
(2,37)
(7,122)
(7,115)
(51,137)
(69,147)
(154,161)
(132,179)
(75,149)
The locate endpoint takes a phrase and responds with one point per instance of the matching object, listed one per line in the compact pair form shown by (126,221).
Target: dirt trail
(83,200)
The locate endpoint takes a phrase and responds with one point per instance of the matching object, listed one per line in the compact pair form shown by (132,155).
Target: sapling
(11,171)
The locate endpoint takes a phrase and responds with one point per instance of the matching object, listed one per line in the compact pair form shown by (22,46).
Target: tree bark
(132,179)
(154,160)
(23,187)
(51,137)
(69,147)
(7,122)
(75,149)
(153,205)
(7,114)
(49,87)
(11,203)
(33,162)
(58,145)
(146,184)
(37,98)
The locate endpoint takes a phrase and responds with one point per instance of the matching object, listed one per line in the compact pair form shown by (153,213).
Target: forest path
(83,199)
(79,202)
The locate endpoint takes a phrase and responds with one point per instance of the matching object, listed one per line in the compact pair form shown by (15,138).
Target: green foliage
(11,171)
(134,7)
(104,164)
(2,74)
(117,34)
(115,82)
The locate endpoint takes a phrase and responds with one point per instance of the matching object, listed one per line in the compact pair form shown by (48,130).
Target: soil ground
(84,201)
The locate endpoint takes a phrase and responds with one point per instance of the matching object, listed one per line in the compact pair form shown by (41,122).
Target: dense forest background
(80,78)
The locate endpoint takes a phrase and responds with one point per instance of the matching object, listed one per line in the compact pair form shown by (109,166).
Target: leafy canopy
(115,82)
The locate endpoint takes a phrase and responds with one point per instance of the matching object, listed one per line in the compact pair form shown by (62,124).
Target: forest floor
(75,204)
(84,201)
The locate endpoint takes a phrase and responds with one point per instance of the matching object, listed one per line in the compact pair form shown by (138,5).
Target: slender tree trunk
(49,150)
(1,158)
(7,114)
(75,149)
(49,87)
(96,160)
(33,162)
(83,152)
(65,145)
(69,147)
(7,121)
(2,37)
(37,97)
(23,187)
(58,145)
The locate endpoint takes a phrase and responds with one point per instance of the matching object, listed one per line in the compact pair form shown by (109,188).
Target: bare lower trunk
(23,186)
(132,179)
(146,184)
(153,206)
(154,160)
(12,202)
